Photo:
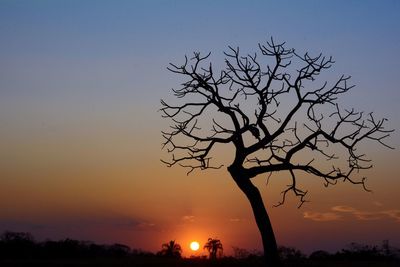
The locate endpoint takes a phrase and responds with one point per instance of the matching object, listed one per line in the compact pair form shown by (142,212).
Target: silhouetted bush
(290,254)
(17,245)
(320,255)
(119,250)
(357,251)
(360,252)
(240,253)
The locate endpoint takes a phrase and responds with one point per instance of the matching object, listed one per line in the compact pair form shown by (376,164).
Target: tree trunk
(262,219)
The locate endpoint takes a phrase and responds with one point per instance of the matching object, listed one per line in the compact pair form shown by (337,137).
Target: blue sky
(81,47)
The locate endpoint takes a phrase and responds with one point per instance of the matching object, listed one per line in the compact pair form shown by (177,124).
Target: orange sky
(143,203)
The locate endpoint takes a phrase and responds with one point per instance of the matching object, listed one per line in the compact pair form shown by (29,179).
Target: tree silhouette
(277,116)
(17,245)
(213,246)
(171,249)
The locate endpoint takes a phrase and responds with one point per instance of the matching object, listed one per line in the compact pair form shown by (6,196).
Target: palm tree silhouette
(171,249)
(213,246)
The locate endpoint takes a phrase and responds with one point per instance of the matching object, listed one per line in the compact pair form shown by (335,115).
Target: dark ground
(156,261)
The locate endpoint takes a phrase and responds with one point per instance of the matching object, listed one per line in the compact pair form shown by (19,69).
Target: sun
(194,245)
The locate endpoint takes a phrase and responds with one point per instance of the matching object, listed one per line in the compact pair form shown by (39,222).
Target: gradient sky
(80,142)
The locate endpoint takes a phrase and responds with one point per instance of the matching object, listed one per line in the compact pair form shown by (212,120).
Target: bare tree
(277,116)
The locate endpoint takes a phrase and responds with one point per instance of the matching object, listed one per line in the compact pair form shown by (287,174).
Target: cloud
(367,216)
(188,218)
(358,214)
(343,209)
(145,225)
(395,214)
(322,216)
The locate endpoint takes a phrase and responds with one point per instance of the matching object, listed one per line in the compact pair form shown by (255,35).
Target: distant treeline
(353,252)
(20,245)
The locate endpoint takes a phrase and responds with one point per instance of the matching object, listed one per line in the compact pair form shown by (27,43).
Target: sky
(80,130)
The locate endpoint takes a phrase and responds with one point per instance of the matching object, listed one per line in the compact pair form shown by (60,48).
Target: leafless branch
(268,137)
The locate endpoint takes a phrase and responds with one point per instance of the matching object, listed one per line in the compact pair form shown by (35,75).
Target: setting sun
(194,245)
